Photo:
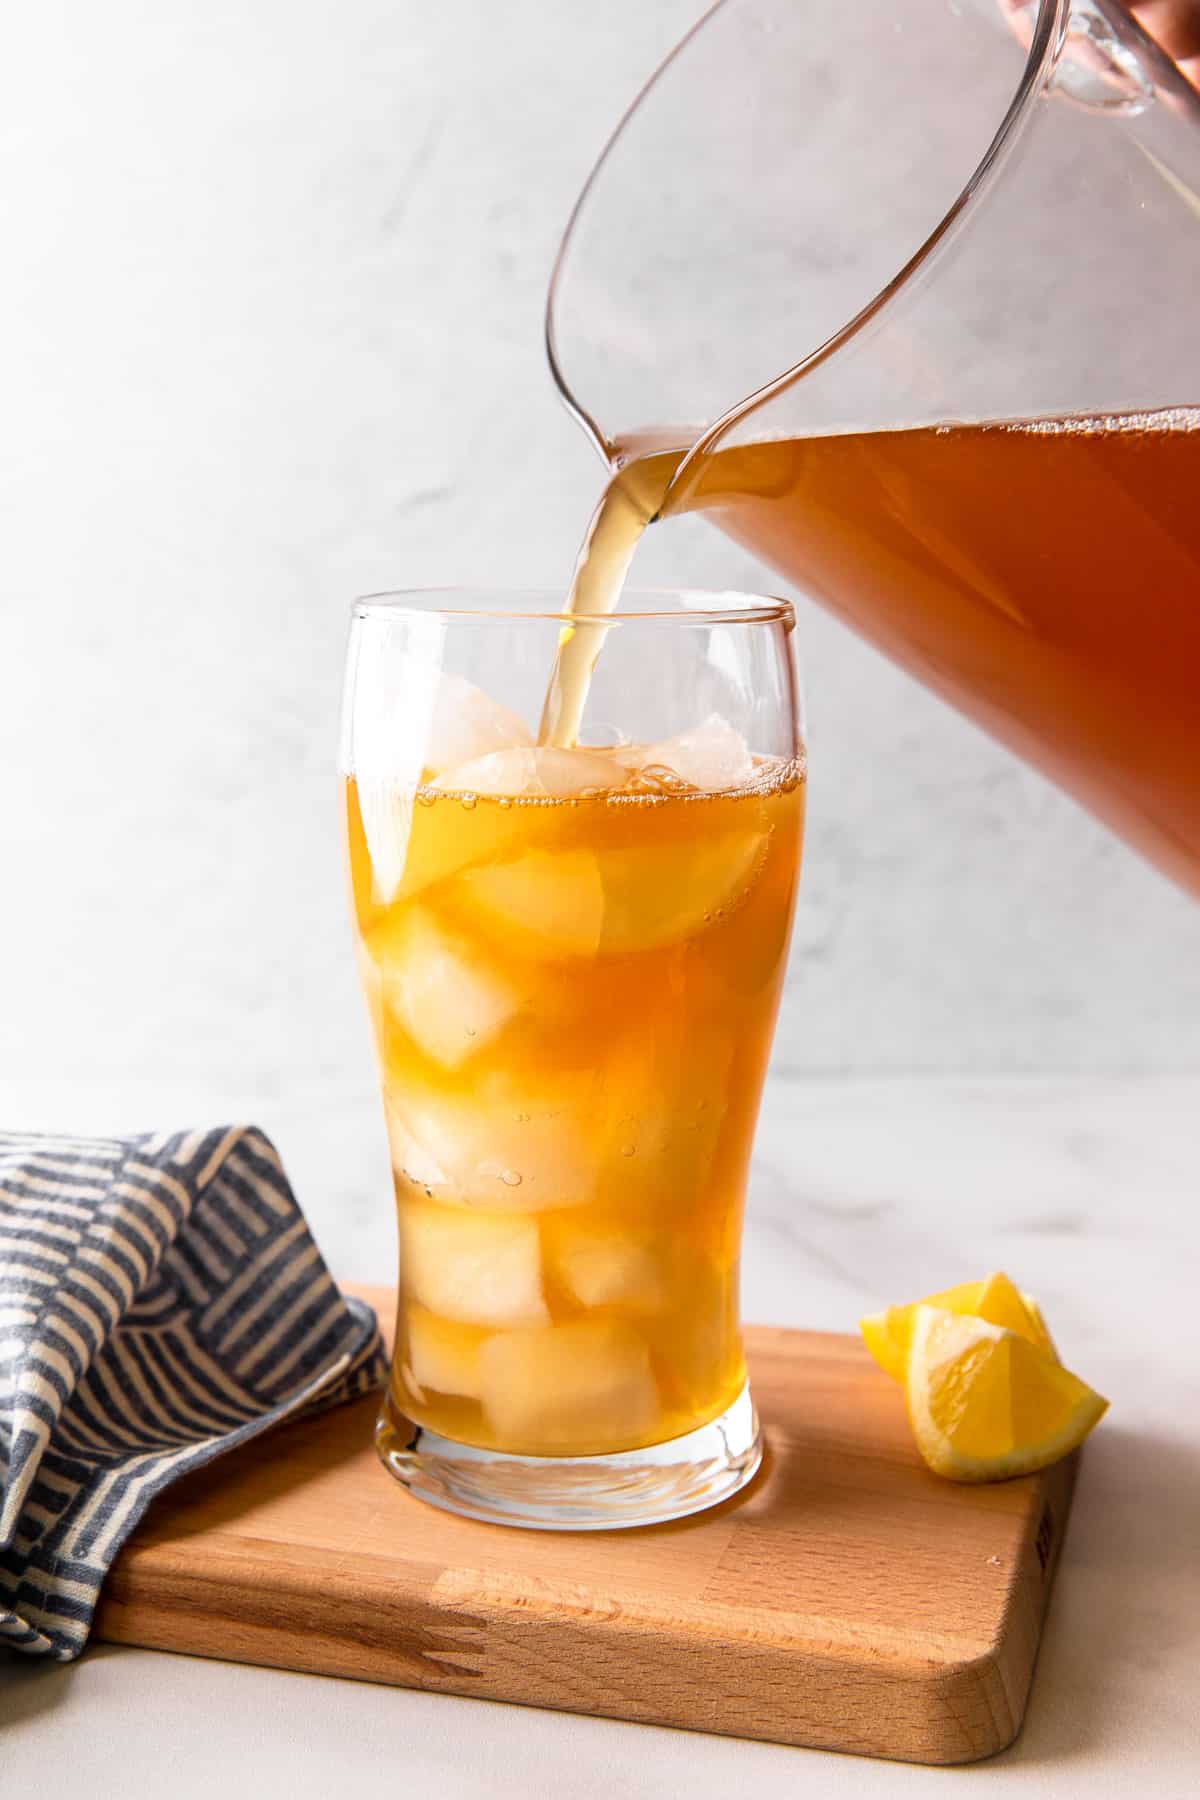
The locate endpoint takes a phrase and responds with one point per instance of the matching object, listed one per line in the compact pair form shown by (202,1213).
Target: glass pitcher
(910,296)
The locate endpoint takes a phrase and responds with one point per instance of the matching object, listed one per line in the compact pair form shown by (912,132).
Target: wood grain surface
(848,1599)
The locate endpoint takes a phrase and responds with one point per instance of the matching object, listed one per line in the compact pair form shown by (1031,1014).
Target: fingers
(1175,27)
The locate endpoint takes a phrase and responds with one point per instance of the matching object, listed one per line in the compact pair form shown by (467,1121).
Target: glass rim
(502,605)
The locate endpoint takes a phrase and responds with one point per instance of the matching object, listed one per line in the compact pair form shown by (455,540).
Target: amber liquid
(1043,576)
(573,1003)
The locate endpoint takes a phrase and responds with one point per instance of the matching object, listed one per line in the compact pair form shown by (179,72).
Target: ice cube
(426,722)
(608,1268)
(661,893)
(410,1158)
(579,1387)
(449,836)
(386,809)
(502,1146)
(442,1354)
(545,903)
(582,902)
(372,988)
(447,997)
(466,724)
(696,1345)
(711,756)
(561,774)
(475,1268)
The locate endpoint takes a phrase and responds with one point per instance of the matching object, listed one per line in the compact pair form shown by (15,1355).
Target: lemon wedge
(888,1334)
(987,1395)
(986,1402)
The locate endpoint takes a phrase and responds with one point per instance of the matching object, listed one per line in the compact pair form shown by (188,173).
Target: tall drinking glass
(572,962)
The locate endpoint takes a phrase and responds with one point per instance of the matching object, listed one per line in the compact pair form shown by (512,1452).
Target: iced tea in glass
(572,959)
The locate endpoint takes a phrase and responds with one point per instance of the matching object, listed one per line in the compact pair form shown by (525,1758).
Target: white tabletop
(862,1192)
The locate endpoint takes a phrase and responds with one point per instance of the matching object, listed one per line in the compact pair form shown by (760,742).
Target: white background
(270,337)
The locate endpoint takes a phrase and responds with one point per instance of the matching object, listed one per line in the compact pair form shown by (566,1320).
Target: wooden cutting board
(848,1599)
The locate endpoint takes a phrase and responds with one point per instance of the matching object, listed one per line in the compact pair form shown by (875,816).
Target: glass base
(577,1493)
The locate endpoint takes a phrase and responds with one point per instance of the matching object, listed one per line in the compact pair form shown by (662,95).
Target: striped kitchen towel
(161,1300)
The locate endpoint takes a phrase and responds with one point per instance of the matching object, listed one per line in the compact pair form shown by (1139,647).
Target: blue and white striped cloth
(161,1300)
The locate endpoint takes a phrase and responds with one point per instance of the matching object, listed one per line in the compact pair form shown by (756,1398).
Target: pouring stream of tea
(630,501)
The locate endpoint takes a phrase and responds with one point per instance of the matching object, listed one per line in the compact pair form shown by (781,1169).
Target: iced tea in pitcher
(1041,574)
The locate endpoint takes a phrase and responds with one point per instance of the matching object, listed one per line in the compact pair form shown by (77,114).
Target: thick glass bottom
(576,1493)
